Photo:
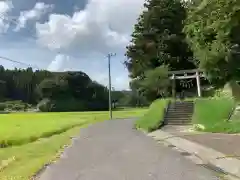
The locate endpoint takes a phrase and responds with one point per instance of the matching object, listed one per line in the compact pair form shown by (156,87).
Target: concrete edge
(206,154)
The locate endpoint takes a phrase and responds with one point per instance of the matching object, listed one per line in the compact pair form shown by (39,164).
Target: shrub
(45,105)
(16,105)
(68,105)
(61,105)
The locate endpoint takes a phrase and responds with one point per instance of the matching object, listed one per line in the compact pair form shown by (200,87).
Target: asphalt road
(113,150)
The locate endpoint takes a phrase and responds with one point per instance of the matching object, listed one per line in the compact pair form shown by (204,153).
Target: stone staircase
(179,113)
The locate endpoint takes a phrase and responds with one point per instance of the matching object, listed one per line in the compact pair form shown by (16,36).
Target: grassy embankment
(210,115)
(213,115)
(153,118)
(30,140)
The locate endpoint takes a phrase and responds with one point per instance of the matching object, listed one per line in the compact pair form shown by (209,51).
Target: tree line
(60,91)
(177,35)
(54,91)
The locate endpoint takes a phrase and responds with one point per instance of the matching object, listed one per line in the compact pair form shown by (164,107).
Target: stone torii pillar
(173,87)
(198,84)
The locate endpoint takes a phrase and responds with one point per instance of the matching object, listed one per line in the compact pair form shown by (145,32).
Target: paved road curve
(113,150)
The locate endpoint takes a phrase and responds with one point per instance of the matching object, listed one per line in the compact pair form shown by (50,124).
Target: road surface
(113,150)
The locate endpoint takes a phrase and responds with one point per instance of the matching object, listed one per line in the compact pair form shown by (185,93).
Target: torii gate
(186,74)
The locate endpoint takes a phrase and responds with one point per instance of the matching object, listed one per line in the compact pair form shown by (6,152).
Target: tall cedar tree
(158,39)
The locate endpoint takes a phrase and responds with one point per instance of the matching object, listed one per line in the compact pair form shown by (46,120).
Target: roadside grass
(25,157)
(154,117)
(22,128)
(30,158)
(213,115)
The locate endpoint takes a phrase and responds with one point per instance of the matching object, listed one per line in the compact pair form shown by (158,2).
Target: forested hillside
(63,90)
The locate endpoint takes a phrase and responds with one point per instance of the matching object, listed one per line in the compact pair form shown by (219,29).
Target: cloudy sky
(74,35)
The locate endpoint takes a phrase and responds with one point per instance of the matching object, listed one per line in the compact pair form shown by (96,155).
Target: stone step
(187,104)
(183,102)
(171,111)
(180,119)
(179,107)
(178,123)
(178,103)
(180,113)
(180,110)
(171,120)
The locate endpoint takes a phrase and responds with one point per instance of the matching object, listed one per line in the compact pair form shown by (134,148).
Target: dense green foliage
(154,117)
(156,81)
(212,29)
(63,91)
(158,40)
(129,99)
(59,92)
(14,106)
(213,114)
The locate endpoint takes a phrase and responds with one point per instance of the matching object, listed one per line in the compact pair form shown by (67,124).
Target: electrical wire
(19,62)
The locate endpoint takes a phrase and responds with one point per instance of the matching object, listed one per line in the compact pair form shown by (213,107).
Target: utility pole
(109,83)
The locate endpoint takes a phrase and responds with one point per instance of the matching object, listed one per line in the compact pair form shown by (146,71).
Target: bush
(61,105)
(154,117)
(45,105)
(98,105)
(16,105)
(68,105)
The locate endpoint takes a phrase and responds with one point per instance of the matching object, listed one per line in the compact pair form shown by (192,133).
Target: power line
(19,62)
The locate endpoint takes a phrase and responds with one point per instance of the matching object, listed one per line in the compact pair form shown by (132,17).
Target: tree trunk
(235,89)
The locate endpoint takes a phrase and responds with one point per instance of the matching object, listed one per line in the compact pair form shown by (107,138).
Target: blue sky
(61,35)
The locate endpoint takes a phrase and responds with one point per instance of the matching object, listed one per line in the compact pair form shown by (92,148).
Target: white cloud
(35,14)
(119,81)
(58,64)
(103,25)
(5,7)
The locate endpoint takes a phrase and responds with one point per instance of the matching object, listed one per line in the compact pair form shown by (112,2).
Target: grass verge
(21,162)
(29,158)
(213,115)
(154,117)
(23,128)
